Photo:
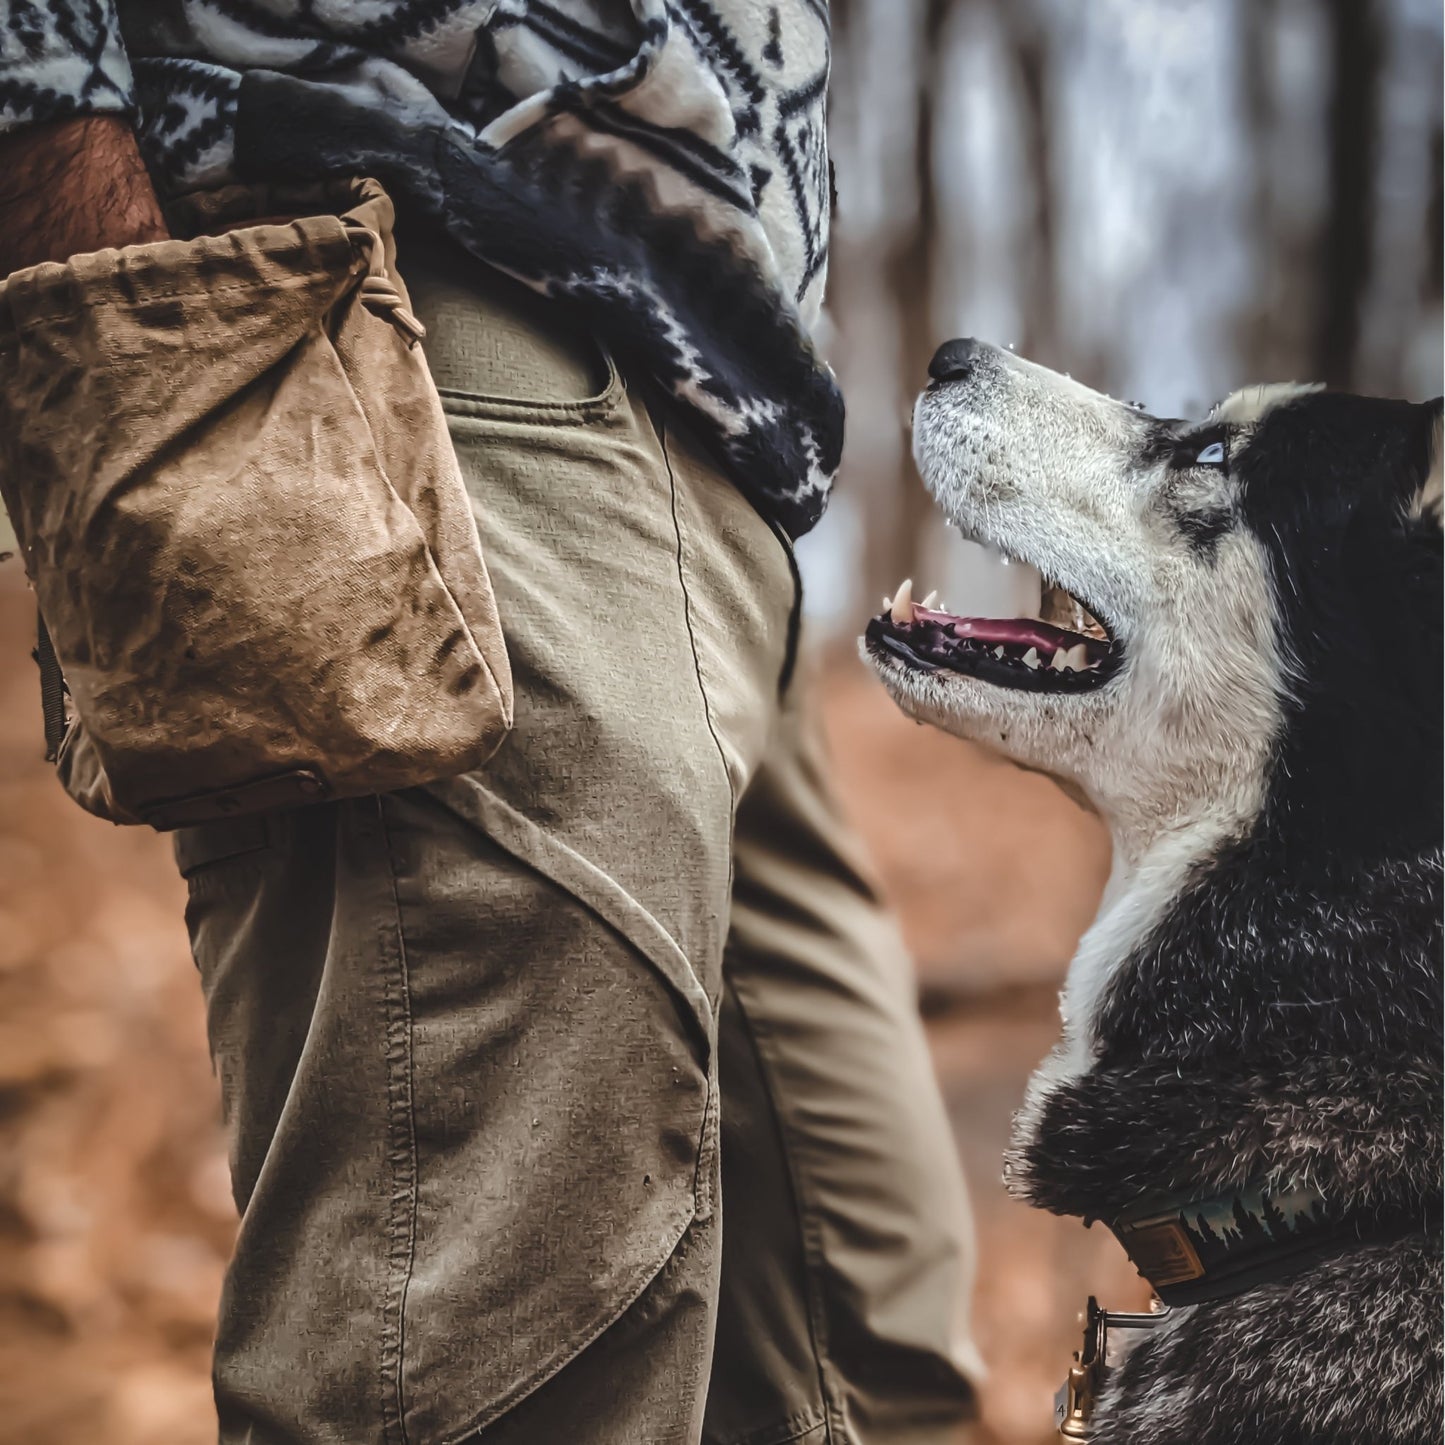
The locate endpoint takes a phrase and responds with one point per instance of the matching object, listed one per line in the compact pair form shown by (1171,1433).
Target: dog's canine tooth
(901,609)
(1076,659)
(1058,660)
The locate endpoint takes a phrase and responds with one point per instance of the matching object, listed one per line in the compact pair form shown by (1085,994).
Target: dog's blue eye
(1211,456)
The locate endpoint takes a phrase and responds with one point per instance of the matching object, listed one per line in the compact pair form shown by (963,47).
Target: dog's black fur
(1284,1019)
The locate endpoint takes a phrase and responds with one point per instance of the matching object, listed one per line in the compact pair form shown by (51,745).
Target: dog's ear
(1425,506)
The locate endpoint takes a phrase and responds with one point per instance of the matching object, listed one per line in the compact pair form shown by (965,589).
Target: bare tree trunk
(855,273)
(1356,56)
(1029,43)
(910,275)
(1271,342)
(1431,281)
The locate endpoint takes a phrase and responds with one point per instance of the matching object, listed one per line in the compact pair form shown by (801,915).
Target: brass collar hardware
(1102,1349)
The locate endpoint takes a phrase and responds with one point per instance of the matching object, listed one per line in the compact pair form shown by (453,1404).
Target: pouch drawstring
(52,690)
(379,295)
(378,291)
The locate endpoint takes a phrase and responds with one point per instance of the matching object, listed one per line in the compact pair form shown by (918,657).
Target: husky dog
(1233,647)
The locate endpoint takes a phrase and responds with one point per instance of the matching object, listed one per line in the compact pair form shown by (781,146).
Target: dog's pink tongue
(1013,631)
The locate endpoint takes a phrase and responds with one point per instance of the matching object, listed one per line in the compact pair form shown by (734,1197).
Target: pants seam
(687,618)
(703,1192)
(530,844)
(629,1296)
(795,612)
(402,1157)
(796,1428)
(813,1258)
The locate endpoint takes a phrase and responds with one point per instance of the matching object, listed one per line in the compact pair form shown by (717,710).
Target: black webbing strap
(52,689)
(1196,1250)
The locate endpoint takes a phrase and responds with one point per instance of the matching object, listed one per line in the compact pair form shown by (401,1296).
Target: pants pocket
(562,1114)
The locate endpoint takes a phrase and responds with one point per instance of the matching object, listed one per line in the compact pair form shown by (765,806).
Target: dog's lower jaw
(1163,824)
(1159,791)
(919,695)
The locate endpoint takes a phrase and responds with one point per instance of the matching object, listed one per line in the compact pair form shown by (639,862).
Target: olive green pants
(582,1101)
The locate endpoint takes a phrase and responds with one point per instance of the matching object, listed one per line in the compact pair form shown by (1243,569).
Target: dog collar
(1195,1249)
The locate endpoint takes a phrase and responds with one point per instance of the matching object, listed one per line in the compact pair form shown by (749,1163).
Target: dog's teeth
(901,608)
(1058,660)
(998,651)
(1031,657)
(929,600)
(887,603)
(1076,659)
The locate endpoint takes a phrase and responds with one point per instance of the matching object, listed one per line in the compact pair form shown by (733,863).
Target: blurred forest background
(1168,198)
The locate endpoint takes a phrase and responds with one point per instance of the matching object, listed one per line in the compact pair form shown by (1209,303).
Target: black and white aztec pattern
(660,163)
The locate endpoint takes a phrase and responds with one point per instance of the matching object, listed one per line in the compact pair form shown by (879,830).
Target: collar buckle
(1102,1349)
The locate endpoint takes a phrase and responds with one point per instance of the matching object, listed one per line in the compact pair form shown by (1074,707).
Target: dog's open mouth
(1054,644)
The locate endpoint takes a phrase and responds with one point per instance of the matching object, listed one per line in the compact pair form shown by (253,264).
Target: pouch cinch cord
(380,296)
(52,690)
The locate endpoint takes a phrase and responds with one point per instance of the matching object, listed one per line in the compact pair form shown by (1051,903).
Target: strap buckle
(1100,1351)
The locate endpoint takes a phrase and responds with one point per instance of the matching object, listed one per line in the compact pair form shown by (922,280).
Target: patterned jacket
(661,164)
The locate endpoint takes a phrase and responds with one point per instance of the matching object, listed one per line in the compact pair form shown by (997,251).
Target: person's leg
(466,1033)
(847,1253)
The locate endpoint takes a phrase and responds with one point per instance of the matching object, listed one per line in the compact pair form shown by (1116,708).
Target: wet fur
(1261,994)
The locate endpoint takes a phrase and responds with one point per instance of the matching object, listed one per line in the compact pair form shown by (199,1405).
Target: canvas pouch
(230,477)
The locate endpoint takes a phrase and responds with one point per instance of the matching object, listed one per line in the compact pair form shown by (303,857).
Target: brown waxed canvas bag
(230,477)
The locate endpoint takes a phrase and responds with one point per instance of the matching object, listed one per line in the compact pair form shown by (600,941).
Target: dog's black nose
(955,359)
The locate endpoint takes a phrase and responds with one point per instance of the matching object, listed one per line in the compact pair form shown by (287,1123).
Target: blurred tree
(1355,62)
(1029,39)
(911,276)
(1432,273)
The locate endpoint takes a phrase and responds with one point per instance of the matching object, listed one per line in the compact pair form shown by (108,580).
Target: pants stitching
(402,1157)
(629,1295)
(813,1257)
(798,1427)
(687,618)
(795,612)
(703,1188)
